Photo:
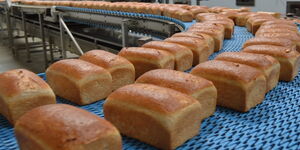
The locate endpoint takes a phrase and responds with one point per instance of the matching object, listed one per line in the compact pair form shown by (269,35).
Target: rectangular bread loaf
(265,63)
(183,55)
(122,71)
(199,47)
(228,25)
(240,87)
(146,59)
(209,40)
(65,127)
(159,116)
(21,91)
(199,88)
(79,81)
(289,59)
(216,34)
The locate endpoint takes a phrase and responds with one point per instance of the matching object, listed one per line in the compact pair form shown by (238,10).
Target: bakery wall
(260,5)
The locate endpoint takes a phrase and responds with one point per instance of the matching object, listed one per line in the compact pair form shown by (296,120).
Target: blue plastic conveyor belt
(119,13)
(274,124)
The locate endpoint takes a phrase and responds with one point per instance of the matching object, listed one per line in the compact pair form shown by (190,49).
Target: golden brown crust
(280,21)
(76,69)
(277,51)
(15,82)
(104,59)
(183,55)
(151,97)
(179,81)
(229,70)
(199,47)
(269,41)
(145,53)
(254,60)
(61,126)
(209,40)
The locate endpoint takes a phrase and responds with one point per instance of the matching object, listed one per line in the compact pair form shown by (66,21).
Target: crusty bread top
(15,82)
(255,60)
(293,37)
(276,51)
(203,25)
(104,59)
(280,21)
(279,26)
(193,35)
(145,53)
(167,46)
(269,41)
(151,97)
(229,70)
(76,68)
(227,23)
(189,42)
(179,81)
(61,125)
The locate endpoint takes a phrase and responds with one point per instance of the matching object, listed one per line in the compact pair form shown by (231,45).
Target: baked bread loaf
(270,41)
(121,70)
(183,55)
(228,25)
(279,22)
(265,63)
(79,81)
(254,23)
(240,87)
(159,116)
(279,26)
(209,40)
(199,47)
(146,59)
(241,18)
(277,30)
(199,88)
(65,127)
(21,91)
(289,59)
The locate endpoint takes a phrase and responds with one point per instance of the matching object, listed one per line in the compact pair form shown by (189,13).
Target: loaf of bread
(254,23)
(199,88)
(270,41)
(199,47)
(293,37)
(216,31)
(241,18)
(146,59)
(65,127)
(228,25)
(265,63)
(159,116)
(121,70)
(21,91)
(183,55)
(79,81)
(240,87)
(289,59)
(209,40)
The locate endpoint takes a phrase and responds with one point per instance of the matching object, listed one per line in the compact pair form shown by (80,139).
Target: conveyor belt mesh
(274,124)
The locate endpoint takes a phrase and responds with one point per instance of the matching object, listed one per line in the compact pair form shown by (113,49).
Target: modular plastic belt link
(274,124)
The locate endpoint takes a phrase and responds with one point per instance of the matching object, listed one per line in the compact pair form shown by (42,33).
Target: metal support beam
(171,29)
(63,27)
(124,26)
(26,37)
(42,32)
(10,32)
